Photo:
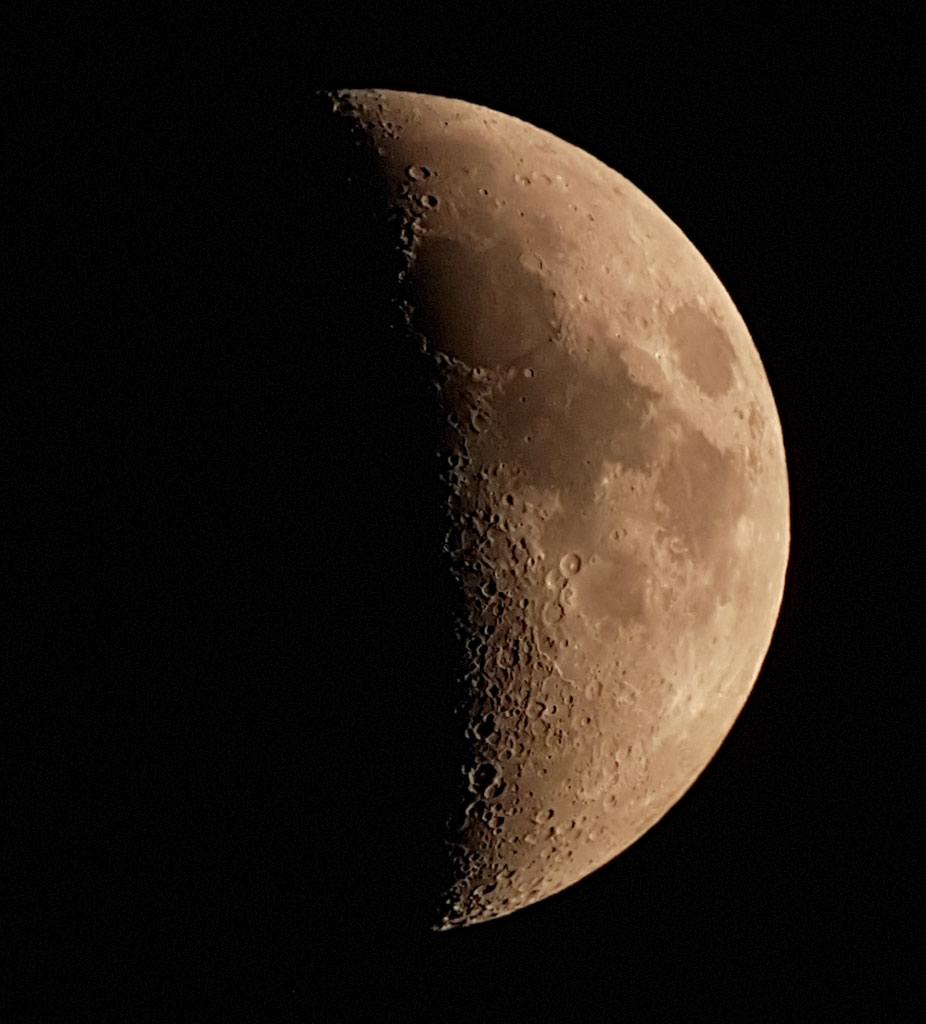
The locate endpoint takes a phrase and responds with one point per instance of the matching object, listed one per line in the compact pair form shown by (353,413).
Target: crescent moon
(616,490)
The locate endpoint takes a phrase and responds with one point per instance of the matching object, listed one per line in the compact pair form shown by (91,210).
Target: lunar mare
(616,489)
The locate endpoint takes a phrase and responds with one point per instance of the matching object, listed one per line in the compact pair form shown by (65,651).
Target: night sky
(195,700)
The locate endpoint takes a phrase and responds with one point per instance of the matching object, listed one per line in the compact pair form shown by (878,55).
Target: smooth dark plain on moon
(609,478)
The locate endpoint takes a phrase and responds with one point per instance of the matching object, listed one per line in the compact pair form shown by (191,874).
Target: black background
(197,727)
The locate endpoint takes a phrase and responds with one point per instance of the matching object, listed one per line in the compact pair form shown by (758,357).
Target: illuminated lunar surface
(615,486)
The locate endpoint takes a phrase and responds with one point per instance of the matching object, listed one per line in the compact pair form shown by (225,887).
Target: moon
(614,484)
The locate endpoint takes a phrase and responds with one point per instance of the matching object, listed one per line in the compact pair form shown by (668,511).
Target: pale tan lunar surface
(617,490)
